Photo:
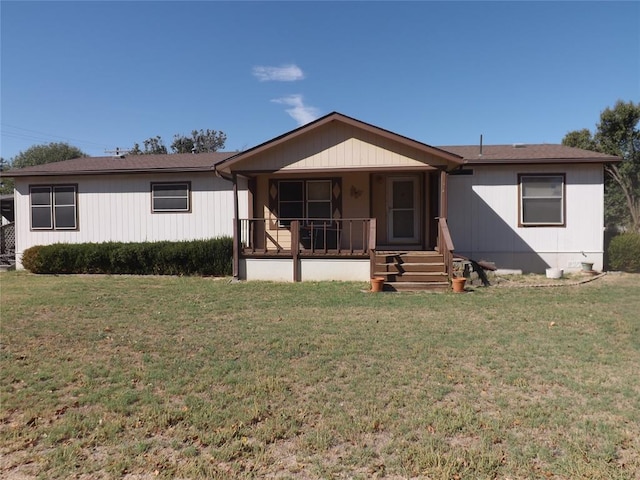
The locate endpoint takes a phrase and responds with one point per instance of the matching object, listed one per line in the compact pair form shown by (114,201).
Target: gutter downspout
(236,221)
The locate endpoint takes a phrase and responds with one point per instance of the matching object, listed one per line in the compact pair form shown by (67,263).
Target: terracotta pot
(458,284)
(377,284)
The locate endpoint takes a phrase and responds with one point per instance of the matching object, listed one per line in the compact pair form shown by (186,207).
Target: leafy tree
(201,141)
(39,155)
(618,134)
(153,145)
(6,184)
(47,153)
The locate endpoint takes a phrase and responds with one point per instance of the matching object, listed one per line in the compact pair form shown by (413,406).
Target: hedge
(195,257)
(624,252)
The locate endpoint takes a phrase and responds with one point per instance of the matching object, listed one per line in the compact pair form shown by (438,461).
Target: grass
(168,377)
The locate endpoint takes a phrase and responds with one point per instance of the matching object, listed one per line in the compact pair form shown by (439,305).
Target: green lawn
(166,377)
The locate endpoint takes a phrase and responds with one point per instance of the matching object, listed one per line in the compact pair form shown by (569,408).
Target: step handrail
(445,245)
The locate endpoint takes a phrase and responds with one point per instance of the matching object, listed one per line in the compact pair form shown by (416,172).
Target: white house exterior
(487,221)
(335,199)
(112,199)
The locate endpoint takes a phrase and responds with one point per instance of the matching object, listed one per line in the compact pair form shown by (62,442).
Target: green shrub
(196,257)
(624,252)
(31,259)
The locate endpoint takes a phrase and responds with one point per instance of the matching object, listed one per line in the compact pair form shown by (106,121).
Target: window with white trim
(54,207)
(542,201)
(171,197)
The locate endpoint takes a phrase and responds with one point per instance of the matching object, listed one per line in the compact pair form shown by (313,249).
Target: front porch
(344,249)
(339,199)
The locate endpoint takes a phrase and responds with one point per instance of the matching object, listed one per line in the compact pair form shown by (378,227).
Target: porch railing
(445,245)
(348,236)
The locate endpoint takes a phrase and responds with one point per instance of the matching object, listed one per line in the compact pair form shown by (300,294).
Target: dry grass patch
(147,377)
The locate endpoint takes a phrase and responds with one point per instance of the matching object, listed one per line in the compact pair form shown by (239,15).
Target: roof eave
(536,161)
(18,173)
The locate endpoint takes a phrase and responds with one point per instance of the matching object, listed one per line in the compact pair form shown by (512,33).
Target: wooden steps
(411,271)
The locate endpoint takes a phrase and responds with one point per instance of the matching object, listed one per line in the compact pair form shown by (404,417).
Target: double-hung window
(54,207)
(171,197)
(542,201)
(303,199)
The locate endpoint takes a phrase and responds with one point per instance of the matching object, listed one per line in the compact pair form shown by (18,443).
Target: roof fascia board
(542,161)
(70,173)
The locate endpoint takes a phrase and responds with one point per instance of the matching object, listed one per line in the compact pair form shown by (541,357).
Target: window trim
(52,206)
(563,202)
(186,184)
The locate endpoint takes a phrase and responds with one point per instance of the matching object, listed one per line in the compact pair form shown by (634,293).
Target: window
(303,199)
(319,199)
(171,197)
(542,200)
(53,207)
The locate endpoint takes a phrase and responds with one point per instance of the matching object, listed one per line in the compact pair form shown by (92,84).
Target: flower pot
(458,284)
(554,273)
(587,266)
(377,284)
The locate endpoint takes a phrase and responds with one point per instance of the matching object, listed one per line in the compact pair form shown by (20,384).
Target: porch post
(236,230)
(443,194)
(372,246)
(295,247)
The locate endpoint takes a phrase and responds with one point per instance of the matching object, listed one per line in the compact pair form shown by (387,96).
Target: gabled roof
(528,154)
(177,162)
(227,164)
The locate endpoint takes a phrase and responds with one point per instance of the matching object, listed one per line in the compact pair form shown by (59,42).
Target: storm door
(403,209)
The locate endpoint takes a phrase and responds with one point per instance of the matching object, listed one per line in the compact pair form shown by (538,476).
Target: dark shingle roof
(203,162)
(178,162)
(528,153)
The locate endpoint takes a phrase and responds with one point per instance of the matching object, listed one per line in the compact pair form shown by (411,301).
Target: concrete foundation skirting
(311,269)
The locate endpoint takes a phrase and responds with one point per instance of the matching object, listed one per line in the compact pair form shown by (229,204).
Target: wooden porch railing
(445,245)
(348,236)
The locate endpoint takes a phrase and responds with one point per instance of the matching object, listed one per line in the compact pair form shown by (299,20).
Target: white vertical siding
(118,208)
(483,218)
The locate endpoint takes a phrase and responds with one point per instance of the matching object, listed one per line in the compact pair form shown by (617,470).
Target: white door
(403,209)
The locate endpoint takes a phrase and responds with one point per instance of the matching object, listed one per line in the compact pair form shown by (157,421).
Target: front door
(403,209)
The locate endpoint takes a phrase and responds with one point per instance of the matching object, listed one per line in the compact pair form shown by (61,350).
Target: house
(529,207)
(337,198)
(133,198)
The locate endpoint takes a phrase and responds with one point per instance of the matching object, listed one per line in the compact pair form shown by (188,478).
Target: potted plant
(458,281)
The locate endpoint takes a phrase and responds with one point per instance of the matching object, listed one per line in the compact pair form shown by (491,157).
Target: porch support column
(443,194)
(295,249)
(236,230)
(372,246)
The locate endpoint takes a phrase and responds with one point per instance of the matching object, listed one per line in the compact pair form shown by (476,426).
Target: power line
(41,136)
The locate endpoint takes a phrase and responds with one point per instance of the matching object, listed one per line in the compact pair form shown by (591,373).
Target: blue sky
(101,75)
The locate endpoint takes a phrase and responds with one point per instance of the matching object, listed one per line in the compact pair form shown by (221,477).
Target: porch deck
(305,239)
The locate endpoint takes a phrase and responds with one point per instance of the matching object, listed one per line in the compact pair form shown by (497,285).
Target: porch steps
(411,271)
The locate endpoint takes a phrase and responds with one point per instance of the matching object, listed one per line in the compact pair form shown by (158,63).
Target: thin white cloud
(300,112)
(285,73)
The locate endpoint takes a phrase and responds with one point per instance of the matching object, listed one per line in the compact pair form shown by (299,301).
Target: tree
(39,155)
(618,134)
(6,184)
(153,145)
(49,153)
(201,141)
